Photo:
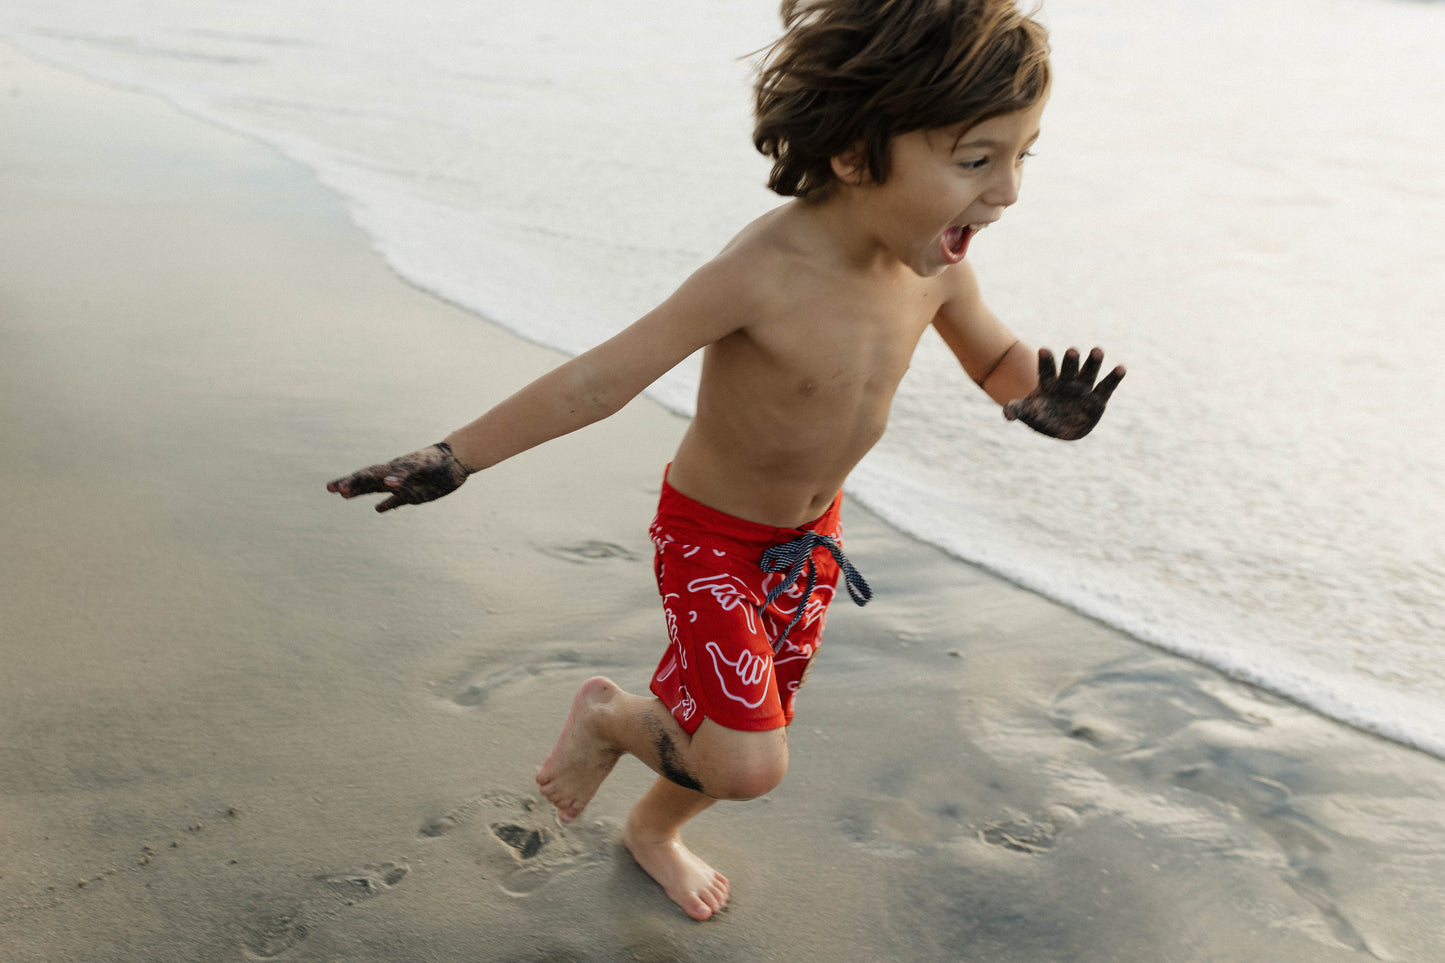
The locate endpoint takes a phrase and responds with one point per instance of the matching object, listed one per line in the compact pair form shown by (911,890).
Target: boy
(899,129)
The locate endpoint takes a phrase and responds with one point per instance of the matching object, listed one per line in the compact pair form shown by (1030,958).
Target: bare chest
(836,351)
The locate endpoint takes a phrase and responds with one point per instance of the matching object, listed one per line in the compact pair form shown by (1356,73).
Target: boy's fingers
(1110,382)
(394,501)
(368,481)
(1069,370)
(1090,371)
(342,487)
(1048,374)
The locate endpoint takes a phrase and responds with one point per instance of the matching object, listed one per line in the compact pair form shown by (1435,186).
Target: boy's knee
(741,765)
(749,780)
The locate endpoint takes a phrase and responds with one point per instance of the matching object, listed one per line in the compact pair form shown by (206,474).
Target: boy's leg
(652,837)
(712,763)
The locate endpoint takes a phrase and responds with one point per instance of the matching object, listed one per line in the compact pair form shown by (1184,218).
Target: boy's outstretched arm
(1060,402)
(581,391)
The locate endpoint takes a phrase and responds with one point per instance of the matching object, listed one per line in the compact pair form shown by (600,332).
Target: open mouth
(955,242)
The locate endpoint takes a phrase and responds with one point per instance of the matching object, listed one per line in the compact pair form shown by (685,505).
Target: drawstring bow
(796,557)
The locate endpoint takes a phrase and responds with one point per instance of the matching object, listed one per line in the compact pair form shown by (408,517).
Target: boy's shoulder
(788,247)
(767,238)
(756,265)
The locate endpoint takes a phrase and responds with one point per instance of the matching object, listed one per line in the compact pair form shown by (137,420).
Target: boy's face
(945,185)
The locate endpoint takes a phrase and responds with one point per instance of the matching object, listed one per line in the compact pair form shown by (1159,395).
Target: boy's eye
(979,163)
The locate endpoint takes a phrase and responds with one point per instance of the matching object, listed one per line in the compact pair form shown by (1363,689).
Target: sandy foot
(579,762)
(689,882)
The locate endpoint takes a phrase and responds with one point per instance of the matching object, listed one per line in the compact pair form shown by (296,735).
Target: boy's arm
(1062,403)
(992,355)
(581,391)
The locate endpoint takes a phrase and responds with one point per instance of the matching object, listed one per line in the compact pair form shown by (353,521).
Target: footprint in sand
(477,685)
(364,885)
(517,841)
(898,824)
(477,692)
(590,552)
(527,842)
(269,936)
(1031,836)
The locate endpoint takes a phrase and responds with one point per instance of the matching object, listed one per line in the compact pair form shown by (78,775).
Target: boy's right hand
(422,476)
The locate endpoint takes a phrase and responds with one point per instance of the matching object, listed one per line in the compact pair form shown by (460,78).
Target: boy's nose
(1004,191)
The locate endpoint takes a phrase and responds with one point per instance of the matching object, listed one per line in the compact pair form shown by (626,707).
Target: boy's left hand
(1066,404)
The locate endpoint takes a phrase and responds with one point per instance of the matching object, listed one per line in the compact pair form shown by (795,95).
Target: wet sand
(241,719)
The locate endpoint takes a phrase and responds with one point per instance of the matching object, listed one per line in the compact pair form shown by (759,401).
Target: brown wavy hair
(850,73)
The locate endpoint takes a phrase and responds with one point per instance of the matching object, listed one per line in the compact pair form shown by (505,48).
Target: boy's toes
(567,809)
(714,896)
(698,909)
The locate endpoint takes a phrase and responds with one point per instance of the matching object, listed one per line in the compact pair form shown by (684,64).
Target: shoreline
(243,720)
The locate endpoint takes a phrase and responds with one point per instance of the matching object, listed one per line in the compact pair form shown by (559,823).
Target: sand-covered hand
(1066,404)
(421,476)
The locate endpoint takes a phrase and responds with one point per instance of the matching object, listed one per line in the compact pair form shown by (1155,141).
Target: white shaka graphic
(730,592)
(748,673)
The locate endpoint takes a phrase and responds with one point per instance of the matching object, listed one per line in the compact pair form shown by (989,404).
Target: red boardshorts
(735,656)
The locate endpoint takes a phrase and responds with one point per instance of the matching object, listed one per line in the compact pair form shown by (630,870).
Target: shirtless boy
(899,129)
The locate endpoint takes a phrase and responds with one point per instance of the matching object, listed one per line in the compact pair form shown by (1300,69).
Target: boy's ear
(849,166)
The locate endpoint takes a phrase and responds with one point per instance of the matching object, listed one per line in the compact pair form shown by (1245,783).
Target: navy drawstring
(797,555)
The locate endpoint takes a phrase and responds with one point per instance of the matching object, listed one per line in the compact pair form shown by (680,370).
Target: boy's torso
(792,401)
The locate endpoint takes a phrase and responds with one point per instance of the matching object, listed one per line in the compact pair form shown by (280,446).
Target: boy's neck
(840,227)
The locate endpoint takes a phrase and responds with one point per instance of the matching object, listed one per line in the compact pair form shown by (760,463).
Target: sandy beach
(243,720)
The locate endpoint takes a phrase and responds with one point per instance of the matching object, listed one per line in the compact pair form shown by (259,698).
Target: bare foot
(578,763)
(688,881)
